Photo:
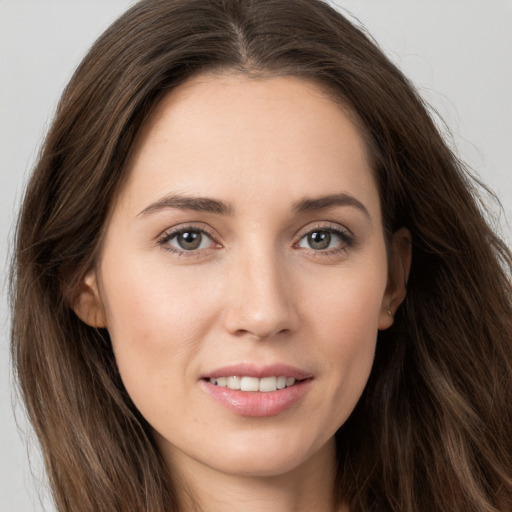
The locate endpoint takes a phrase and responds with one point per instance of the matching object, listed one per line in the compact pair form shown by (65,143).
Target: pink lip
(252,370)
(255,403)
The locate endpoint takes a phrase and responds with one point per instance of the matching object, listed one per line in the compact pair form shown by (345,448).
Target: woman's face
(246,249)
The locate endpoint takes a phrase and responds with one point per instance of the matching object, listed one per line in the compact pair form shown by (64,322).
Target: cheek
(147,303)
(350,301)
(346,317)
(156,321)
(351,328)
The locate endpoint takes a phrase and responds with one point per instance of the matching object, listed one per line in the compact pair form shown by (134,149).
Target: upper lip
(253,370)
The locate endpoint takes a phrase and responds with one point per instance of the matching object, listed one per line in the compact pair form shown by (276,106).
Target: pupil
(319,240)
(189,240)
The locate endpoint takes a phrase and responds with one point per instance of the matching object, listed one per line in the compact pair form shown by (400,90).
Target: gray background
(457,52)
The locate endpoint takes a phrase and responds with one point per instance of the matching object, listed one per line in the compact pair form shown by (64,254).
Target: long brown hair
(432,431)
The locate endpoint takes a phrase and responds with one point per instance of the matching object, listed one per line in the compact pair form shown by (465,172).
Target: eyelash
(167,236)
(346,237)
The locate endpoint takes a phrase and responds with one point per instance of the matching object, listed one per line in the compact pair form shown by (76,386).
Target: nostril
(262,335)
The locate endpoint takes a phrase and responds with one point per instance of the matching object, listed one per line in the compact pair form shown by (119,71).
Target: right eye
(186,240)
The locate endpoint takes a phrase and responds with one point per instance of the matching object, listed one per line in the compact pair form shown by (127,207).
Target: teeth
(268,384)
(290,381)
(264,385)
(249,384)
(234,383)
(222,381)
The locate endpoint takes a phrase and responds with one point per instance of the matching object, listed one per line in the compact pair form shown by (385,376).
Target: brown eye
(326,239)
(319,240)
(189,240)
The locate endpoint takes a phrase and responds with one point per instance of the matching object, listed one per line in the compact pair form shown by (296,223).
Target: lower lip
(257,404)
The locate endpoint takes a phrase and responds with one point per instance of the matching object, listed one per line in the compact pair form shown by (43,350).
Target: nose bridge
(260,302)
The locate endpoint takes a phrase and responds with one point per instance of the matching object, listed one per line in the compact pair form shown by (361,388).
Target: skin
(255,291)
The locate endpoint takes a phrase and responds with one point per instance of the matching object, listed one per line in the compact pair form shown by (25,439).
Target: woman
(250,275)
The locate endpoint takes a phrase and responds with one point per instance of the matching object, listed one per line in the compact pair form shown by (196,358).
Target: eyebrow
(181,202)
(329,201)
(209,205)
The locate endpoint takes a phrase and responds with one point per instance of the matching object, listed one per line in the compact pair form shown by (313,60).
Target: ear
(88,305)
(399,267)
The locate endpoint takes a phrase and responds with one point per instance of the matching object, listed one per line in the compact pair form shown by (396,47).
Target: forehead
(218,133)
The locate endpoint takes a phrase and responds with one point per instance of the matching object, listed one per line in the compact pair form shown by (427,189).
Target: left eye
(322,240)
(189,240)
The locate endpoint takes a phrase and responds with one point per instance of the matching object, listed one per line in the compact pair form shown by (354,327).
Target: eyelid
(347,237)
(170,233)
(348,240)
(324,226)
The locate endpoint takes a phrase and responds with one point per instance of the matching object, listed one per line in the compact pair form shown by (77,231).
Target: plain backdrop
(457,52)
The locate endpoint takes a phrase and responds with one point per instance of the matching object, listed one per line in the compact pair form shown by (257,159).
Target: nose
(260,302)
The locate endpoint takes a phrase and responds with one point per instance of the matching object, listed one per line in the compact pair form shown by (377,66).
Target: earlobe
(87,304)
(399,267)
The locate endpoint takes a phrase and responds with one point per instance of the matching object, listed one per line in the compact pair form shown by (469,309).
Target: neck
(307,487)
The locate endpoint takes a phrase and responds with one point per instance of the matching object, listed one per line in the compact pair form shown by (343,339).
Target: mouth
(256,391)
(247,383)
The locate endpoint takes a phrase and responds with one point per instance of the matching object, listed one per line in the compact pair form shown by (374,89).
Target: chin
(260,465)
(270,457)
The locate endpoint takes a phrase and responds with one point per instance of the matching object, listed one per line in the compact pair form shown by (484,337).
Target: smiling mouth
(252,391)
(245,383)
